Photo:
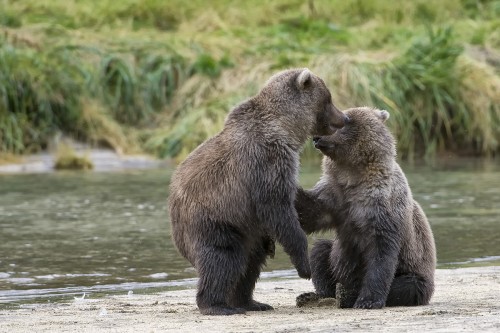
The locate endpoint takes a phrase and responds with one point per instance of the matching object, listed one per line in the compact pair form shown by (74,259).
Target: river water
(64,234)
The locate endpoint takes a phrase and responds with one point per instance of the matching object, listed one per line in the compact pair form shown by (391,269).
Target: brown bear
(384,252)
(234,194)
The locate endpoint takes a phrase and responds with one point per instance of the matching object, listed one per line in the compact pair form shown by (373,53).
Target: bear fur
(234,195)
(384,252)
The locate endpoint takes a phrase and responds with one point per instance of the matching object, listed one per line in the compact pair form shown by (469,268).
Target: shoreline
(104,160)
(466,299)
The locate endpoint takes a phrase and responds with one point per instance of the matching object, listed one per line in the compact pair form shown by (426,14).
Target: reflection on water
(66,233)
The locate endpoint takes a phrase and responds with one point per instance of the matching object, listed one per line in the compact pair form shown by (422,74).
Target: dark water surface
(63,234)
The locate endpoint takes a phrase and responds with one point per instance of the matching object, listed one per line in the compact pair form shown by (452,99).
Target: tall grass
(161,76)
(43,92)
(428,89)
(38,94)
(420,88)
(66,158)
(430,93)
(172,14)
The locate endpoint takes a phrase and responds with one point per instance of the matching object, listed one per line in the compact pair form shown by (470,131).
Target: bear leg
(243,294)
(409,290)
(322,275)
(346,297)
(219,269)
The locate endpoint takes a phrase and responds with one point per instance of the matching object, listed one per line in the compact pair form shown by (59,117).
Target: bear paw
(303,269)
(368,303)
(221,311)
(307,299)
(257,306)
(314,300)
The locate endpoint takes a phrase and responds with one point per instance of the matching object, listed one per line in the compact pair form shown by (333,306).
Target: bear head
(303,103)
(364,140)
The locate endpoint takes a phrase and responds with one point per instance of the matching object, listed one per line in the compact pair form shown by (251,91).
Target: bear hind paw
(221,311)
(257,306)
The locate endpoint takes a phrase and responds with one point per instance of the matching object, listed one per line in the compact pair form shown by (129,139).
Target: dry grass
(101,129)
(66,158)
(161,76)
(9,158)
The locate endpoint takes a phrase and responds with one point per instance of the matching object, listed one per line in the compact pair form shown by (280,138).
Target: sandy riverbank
(466,300)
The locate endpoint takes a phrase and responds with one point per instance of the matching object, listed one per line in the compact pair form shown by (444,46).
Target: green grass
(425,88)
(67,159)
(160,76)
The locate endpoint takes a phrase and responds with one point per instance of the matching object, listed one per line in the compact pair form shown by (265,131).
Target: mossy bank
(160,77)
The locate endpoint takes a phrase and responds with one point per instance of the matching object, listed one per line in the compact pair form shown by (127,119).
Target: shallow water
(63,234)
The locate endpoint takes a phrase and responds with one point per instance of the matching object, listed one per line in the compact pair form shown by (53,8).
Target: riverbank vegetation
(160,76)
(66,158)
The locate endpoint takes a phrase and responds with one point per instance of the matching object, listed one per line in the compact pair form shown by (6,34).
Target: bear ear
(383,115)
(304,79)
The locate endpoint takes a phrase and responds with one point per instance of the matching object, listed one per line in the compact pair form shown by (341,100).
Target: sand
(466,300)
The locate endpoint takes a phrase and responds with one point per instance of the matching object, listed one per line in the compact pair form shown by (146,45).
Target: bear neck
(281,114)
(269,120)
(364,173)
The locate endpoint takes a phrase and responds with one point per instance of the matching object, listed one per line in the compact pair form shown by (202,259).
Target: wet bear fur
(234,195)
(384,252)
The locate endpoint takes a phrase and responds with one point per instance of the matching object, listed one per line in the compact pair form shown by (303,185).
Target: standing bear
(384,252)
(234,195)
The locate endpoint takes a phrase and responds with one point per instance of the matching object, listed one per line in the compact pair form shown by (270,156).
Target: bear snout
(318,142)
(322,143)
(338,119)
(344,119)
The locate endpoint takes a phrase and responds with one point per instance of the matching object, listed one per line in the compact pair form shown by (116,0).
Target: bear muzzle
(339,122)
(319,143)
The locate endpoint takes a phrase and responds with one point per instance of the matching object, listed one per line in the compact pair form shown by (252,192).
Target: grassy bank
(160,76)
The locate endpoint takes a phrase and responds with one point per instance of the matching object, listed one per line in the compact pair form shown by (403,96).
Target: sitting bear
(384,252)
(234,195)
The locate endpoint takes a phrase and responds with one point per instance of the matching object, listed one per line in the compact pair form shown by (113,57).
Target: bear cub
(234,195)
(384,252)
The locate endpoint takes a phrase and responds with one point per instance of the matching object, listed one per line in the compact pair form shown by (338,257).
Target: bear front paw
(303,269)
(306,298)
(304,273)
(368,303)
(313,300)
